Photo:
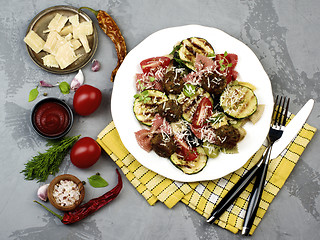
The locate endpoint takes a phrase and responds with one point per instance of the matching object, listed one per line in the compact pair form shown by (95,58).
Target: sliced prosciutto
(224,64)
(144,136)
(223,60)
(149,81)
(204,63)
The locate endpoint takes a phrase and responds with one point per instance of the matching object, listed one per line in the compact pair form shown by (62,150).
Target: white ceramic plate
(161,43)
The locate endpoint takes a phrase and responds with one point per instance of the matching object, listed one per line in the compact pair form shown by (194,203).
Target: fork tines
(280,119)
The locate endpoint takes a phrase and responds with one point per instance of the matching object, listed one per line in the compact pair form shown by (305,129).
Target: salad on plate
(192,104)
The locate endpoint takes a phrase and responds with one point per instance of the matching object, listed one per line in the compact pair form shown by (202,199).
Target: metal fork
(278,123)
(276,130)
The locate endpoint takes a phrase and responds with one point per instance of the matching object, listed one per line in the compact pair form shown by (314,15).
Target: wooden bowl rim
(70,178)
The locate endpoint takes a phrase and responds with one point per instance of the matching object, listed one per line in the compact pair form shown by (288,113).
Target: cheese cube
(65,55)
(68,37)
(85,43)
(66,30)
(50,61)
(84,28)
(74,20)
(62,41)
(75,44)
(51,42)
(57,23)
(34,41)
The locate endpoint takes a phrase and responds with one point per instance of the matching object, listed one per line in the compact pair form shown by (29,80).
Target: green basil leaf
(33,94)
(97,181)
(189,90)
(152,79)
(64,87)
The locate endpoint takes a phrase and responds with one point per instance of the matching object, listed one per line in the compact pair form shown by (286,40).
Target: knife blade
(292,129)
(290,132)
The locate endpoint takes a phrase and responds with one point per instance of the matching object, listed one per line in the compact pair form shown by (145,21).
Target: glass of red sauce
(52,118)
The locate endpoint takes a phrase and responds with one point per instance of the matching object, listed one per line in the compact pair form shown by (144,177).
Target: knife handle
(256,193)
(234,192)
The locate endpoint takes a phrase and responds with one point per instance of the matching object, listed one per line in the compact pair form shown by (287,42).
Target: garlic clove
(45,84)
(95,67)
(77,81)
(43,192)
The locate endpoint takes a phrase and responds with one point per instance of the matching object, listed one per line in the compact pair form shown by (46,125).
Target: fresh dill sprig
(45,164)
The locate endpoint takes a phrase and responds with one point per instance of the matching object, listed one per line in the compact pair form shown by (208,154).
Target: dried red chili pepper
(90,207)
(111,29)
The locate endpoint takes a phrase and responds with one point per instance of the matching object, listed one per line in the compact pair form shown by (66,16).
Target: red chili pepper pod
(93,205)
(111,29)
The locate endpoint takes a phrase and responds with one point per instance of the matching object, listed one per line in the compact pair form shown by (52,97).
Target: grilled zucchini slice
(190,104)
(145,106)
(190,167)
(238,101)
(188,49)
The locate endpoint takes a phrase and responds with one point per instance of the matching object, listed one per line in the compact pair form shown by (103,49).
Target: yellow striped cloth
(204,196)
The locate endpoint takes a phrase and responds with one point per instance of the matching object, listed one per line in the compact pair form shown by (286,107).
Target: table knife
(289,133)
(255,196)
(292,129)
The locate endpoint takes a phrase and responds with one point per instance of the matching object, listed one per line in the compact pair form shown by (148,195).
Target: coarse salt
(66,193)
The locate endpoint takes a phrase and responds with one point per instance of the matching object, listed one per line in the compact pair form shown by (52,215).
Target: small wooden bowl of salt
(66,192)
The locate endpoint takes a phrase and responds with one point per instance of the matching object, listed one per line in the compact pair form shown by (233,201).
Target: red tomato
(86,100)
(201,132)
(188,153)
(153,64)
(85,152)
(203,112)
(197,132)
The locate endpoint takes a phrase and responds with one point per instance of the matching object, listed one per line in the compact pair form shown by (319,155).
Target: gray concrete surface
(283,34)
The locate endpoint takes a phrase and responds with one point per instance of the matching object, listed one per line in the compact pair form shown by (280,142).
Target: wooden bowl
(57,180)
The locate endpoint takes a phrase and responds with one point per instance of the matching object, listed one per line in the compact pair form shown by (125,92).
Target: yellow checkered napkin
(150,184)
(204,196)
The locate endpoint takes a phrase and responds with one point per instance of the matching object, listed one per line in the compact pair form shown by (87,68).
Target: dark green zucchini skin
(190,167)
(238,101)
(185,53)
(146,109)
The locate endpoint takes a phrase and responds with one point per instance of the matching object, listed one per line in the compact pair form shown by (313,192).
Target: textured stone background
(283,34)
